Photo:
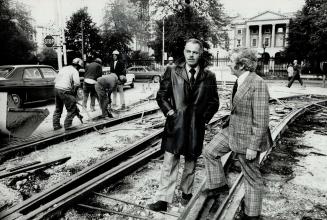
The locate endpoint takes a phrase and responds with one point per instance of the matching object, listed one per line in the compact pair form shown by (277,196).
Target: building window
(267,31)
(239,31)
(254,31)
(254,42)
(238,43)
(267,41)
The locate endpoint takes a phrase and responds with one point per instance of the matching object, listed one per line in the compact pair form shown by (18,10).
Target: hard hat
(170,59)
(78,61)
(116,52)
(98,60)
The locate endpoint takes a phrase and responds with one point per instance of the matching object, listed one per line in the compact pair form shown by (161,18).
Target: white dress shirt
(188,68)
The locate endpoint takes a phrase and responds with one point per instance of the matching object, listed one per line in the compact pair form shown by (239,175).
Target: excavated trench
(295,171)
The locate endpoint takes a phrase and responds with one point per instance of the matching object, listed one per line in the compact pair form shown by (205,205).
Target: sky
(44,11)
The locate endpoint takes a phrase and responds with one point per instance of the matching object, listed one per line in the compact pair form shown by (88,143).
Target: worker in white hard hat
(118,68)
(67,83)
(170,63)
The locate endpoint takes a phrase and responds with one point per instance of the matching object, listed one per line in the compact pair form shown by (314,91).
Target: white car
(130,77)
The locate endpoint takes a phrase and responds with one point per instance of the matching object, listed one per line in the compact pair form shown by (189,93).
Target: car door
(49,75)
(34,84)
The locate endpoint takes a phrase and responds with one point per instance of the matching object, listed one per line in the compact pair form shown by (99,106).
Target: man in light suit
(246,133)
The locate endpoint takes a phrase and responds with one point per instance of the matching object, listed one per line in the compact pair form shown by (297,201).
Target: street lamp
(163,42)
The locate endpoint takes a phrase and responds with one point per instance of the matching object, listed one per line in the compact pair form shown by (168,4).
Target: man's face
(192,54)
(236,70)
(295,62)
(115,57)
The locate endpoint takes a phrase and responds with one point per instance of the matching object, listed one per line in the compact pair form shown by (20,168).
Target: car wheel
(14,101)
(156,79)
(80,94)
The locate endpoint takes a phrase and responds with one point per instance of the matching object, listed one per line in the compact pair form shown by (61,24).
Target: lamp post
(163,42)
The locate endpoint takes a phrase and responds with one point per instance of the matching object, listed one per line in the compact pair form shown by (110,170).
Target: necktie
(192,79)
(234,90)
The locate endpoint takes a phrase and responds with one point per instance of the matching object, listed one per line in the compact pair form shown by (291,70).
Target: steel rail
(92,172)
(228,209)
(82,183)
(50,138)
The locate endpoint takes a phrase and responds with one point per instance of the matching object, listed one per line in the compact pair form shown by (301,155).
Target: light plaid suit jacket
(249,119)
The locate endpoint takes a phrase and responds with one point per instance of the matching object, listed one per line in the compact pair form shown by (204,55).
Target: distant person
(118,68)
(67,83)
(92,72)
(104,87)
(290,71)
(188,97)
(296,74)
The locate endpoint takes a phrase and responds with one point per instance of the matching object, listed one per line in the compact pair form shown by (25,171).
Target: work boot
(109,114)
(123,106)
(158,206)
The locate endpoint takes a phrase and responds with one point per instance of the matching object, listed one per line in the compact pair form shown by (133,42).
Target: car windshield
(5,71)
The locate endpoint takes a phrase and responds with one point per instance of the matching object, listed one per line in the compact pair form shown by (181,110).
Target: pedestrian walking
(246,133)
(67,83)
(118,68)
(104,87)
(296,74)
(92,72)
(188,97)
(290,71)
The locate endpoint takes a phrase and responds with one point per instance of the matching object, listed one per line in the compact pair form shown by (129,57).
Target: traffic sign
(49,41)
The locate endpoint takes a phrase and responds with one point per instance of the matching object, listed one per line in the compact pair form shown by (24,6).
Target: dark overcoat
(194,106)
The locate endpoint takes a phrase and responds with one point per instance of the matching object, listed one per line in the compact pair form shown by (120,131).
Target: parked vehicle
(145,73)
(129,76)
(27,83)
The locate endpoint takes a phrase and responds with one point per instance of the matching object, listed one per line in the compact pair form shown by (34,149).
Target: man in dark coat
(92,72)
(188,97)
(118,68)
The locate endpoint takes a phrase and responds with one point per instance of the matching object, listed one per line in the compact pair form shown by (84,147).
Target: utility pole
(163,42)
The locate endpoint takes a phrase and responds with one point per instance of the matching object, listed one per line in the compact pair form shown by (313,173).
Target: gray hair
(245,57)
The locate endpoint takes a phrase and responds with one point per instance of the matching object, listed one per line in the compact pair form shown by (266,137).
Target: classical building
(266,32)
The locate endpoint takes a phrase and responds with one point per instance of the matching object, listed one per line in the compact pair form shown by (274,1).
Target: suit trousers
(169,174)
(253,182)
(120,89)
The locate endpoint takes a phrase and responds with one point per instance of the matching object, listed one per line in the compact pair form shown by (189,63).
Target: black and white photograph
(163,109)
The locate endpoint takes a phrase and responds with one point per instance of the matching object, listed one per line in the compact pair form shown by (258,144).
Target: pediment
(268,15)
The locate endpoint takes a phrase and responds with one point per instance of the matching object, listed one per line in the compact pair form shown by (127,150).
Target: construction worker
(66,86)
(92,72)
(104,86)
(118,68)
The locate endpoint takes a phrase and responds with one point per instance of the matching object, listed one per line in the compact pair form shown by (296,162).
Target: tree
(308,33)
(203,20)
(48,56)
(15,34)
(120,24)
(80,28)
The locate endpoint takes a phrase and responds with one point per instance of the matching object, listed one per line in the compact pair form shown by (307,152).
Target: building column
(247,38)
(273,35)
(286,35)
(260,36)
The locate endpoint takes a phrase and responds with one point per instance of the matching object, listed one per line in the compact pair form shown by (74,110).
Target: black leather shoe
(217,191)
(158,206)
(186,198)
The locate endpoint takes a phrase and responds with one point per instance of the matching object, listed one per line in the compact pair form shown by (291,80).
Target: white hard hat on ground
(78,61)
(116,52)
